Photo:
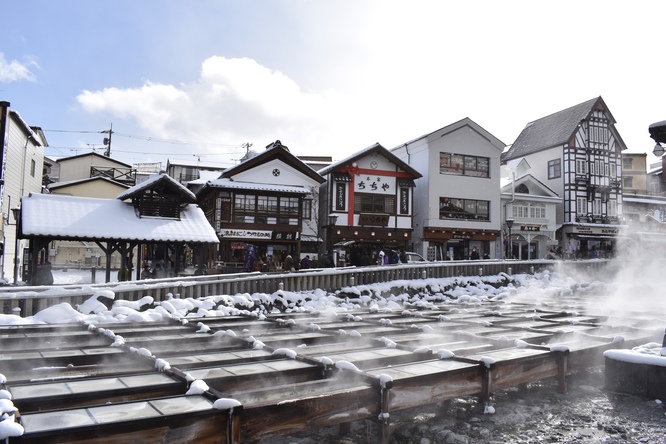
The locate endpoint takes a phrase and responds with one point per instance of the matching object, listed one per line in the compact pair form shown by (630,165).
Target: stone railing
(27,301)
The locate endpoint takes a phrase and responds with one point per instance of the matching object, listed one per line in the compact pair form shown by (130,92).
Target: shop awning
(593,236)
(344,244)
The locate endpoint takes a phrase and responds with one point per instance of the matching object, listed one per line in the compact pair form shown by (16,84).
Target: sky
(202,80)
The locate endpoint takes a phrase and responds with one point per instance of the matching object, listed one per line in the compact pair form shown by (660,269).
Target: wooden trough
(287,373)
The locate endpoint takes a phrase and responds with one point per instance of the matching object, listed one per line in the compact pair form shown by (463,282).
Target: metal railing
(27,301)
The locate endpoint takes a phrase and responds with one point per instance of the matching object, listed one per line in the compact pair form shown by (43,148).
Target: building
(85,166)
(577,153)
(634,173)
(185,171)
(263,210)
(22,157)
(367,206)
(457,207)
(87,175)
(529,212)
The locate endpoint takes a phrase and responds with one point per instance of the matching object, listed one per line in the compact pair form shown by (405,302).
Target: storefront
(456,244)
(256,250)
(588,241)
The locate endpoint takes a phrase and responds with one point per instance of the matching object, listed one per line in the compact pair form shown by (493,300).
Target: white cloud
(233,101)
(15,71)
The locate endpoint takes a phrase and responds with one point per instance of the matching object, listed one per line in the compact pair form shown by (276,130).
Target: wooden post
(562,364)
(234,425)
(383,418)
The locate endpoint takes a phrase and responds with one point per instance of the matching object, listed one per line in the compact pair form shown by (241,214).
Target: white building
(529,210)
(22,165)
(457,206)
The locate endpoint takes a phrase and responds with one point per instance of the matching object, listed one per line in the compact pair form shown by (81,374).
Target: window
(596,206)
(268,210)
(524,210)
(628,181)
(32,167)
(371,203)
(612,208)
(469,209)
(307,209)
(463,165)
(581,205)
(554,169)
(613,170)
(580,167)
(627,163)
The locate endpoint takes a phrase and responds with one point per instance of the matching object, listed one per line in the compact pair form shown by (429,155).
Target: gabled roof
(556,129)
(507,184)
(68,183)
(274,151)
(456,126)
(66,217)
(157,180)
(93,154)
(376,148)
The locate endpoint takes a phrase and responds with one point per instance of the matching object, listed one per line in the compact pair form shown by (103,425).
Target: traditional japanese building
(263,210)
(577,152)
(367,205)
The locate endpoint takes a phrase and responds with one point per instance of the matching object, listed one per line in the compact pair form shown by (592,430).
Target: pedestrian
(305,262)
(395,257)
(475,254)
(146,273)
(380,261)
(288,264)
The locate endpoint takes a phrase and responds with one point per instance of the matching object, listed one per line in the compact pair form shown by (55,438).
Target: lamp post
(332,220)
(509,224)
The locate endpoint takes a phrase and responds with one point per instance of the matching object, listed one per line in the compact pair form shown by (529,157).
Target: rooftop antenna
(107,141)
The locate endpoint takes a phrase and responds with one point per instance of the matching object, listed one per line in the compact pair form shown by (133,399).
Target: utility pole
(107,141)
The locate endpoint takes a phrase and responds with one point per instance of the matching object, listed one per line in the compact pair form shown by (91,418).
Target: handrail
(29,300)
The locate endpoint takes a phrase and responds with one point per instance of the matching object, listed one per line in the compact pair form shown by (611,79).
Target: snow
(198,387)
(108,219)
(649,354)
(226,404)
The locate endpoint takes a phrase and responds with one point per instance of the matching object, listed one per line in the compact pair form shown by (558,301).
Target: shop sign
(530,228)
(245,234)
(285,235)
(596,230)
(373,219)
(375,184)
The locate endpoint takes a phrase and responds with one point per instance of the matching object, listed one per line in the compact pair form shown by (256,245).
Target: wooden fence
(27,301)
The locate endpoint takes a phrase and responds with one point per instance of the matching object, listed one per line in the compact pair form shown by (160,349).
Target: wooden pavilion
(158,212)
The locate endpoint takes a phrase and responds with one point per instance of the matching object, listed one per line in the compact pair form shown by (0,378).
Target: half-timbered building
(577,152)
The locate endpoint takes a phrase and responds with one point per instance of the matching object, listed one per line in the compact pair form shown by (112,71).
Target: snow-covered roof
(152,181)
(68,217)
(228,183)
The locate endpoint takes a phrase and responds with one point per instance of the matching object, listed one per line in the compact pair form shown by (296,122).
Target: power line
(149,138)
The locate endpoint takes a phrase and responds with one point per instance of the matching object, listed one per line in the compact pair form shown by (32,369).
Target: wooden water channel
(289,373)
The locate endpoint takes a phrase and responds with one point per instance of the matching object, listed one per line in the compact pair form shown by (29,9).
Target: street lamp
(509,224)
(332,220)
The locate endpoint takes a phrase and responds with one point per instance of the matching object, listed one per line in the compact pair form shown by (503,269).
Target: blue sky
(197,80)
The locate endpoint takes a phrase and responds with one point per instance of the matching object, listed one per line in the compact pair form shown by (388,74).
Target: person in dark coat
(475,254)
(288,264)
(305,262)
